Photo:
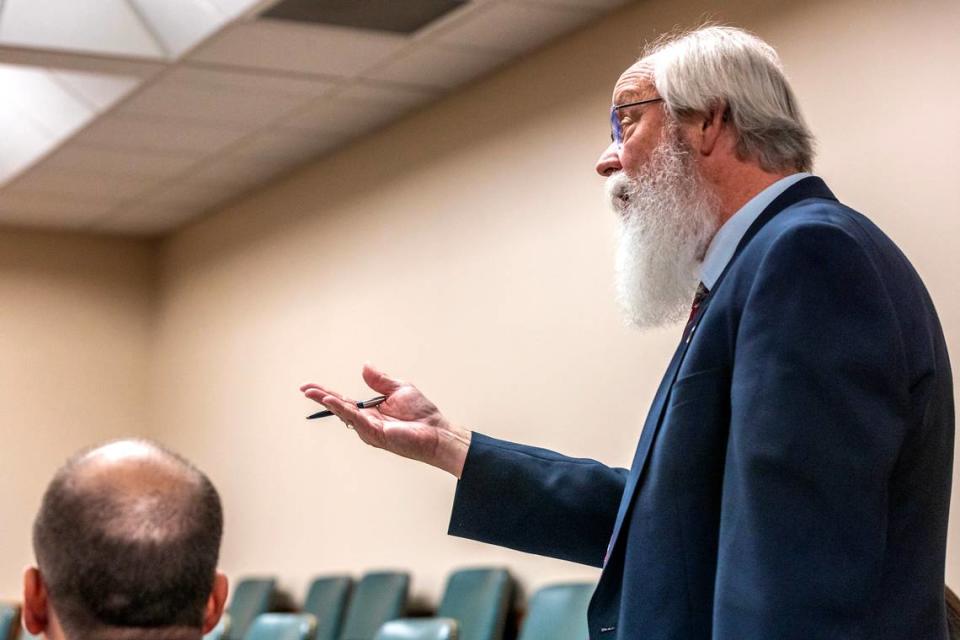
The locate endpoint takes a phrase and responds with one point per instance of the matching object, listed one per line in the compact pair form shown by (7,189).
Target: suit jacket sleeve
(818,398)
(537,501)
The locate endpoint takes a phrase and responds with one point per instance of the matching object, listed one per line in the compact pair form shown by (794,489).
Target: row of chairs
(475,605)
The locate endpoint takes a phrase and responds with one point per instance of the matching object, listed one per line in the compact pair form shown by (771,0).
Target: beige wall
(75,316)
(467,250)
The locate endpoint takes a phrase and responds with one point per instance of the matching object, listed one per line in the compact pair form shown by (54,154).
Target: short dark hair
(115,556)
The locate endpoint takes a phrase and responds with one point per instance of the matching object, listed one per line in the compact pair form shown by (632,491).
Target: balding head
(127,540)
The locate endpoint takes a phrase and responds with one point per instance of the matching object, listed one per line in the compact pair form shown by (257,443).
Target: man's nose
(609,161)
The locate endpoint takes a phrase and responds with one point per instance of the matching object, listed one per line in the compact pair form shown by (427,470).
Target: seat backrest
(9,620)
(479,600)
(327,601)
(419,629)
(251,597)
(558,612)
(282,626)
(378,597)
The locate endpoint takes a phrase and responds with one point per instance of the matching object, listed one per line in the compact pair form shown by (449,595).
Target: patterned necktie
(697,299)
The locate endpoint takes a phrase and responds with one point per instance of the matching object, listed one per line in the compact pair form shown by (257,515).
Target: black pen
(365,404)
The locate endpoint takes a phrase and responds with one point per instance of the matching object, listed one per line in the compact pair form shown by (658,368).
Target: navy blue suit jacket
(792,479)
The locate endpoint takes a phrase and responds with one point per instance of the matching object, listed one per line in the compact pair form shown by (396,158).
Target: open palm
(406,423)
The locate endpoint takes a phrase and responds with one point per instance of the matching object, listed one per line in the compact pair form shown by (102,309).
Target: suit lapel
(812,187)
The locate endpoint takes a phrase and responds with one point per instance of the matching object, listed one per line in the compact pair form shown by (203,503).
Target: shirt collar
(725,241)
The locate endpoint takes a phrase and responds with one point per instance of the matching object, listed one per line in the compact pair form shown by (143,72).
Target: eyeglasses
(616,130)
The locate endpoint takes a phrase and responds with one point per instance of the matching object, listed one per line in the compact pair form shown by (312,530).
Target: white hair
(724,67)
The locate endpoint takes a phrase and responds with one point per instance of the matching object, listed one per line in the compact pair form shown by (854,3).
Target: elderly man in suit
(127,540)
(792,479)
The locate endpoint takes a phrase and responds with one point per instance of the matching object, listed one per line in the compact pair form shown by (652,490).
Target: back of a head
(695,71)
(127,540)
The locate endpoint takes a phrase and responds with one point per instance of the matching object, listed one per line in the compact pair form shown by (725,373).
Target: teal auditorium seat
(378,598)
(479,600)
(327,601)
(9,620)
(219,632)
(251,597)
(419,629)
(558,612)
(282,626)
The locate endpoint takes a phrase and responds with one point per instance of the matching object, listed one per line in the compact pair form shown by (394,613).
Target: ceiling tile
(249,80)
(210,104)
(144,220)
(515,28)
(282,46)
(98,187)
(598,5)
(157,135)
(234,175)
(438,65)
(361,107)
(286,146)
(48,211)
(74,158)
(343,118)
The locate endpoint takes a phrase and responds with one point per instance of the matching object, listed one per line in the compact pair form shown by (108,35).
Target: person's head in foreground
(126,541)
(700,124)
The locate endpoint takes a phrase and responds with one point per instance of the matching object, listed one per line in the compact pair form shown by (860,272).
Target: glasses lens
(615,133)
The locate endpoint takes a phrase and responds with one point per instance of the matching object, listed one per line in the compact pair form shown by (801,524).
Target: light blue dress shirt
(725,242)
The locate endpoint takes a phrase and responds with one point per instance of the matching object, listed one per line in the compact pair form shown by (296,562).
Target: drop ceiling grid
(215,124)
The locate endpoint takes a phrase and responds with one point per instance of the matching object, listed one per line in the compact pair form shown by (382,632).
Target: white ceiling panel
(98,187)
(99,91)
(210,104)
(74,158)
(438,65)
(515,28)
(249,80)
(155,135)
(285,46)
(21,141)
(101,26)
(41,99)
(179,25)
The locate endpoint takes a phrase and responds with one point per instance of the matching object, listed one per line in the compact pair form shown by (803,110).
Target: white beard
(667,218)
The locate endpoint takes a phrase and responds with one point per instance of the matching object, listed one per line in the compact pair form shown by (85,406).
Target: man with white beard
(792,479)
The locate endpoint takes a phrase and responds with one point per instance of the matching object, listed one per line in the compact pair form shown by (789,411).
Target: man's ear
(712,125)
(36,614)
(215,603)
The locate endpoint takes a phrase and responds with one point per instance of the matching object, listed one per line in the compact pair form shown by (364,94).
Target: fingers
(366,426)
(379,381)
(316,392)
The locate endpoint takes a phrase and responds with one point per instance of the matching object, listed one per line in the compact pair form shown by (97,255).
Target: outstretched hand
(406,423)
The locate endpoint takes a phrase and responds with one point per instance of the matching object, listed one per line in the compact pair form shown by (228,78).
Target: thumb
(379,381)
